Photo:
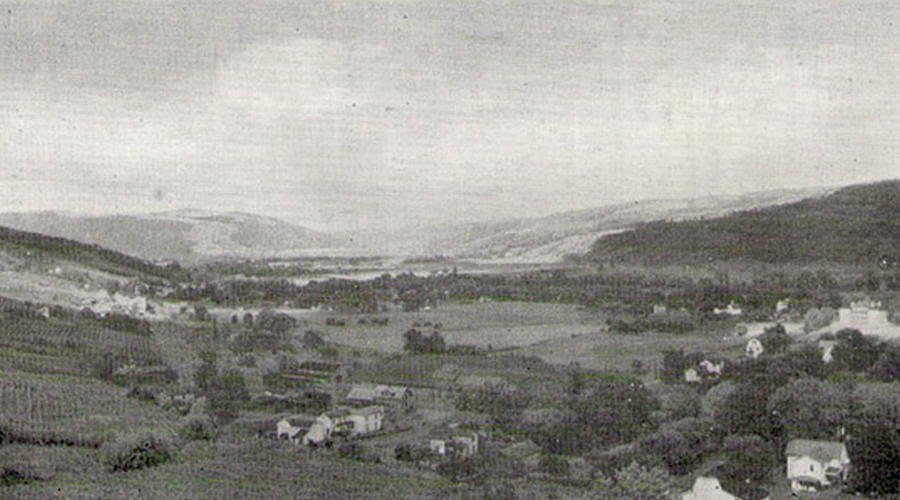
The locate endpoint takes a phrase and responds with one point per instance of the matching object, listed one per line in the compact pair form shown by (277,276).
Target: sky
(350,115)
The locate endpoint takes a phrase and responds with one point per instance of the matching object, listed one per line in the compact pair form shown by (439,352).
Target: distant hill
(20,249)
(854,225)
(191,236)
(552,238)
(186,236)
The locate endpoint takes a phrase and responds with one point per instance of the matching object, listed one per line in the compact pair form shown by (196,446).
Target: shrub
(554,465)
(357,451)
(135,454)
(198,428)
(10,476)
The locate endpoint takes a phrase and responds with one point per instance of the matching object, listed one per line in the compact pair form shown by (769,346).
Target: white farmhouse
(816,464)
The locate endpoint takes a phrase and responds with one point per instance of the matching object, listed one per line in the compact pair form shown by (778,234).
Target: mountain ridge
(193,235)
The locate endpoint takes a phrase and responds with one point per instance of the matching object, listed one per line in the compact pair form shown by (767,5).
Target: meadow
(494,325)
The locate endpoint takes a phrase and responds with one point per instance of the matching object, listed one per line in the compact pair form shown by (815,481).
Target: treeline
(614,292)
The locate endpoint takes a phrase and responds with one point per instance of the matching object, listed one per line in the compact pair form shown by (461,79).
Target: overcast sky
(340,115)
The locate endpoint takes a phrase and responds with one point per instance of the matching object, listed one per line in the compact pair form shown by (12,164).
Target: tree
(875,454)
(201,313)
(678,453)
(616,409)
(887,368)
(854,352)
(775,339)
(744,411)
(637,482)
(312,340)
(808,408)
(416,341)
(815,319)
(748,458)
(673,366)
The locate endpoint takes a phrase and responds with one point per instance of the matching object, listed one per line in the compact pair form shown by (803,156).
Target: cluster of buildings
(812,466)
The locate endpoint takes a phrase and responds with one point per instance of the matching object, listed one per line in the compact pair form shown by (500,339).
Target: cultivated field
(75,409)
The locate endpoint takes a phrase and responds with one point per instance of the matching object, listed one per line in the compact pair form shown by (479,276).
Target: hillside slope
(551,238)
(50,270)
(854,225)
(185,236)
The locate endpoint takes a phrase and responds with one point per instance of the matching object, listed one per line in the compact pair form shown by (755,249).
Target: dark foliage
(147,452)
(856,225)
(416,341)
(616,409)
(875,455)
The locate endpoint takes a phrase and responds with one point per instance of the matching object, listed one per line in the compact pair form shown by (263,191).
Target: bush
(198,428)
(357,451)
(10,476)
(554,465)
(135,454)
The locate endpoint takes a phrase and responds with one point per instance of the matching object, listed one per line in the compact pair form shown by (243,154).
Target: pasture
(611,352)
(494,325)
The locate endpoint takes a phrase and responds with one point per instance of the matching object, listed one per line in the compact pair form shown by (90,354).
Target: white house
(386,394)
(707,488)
(731,310)
(827,347)
(358,422)
(863,313)
(710,488)
(816,464)
(754,348)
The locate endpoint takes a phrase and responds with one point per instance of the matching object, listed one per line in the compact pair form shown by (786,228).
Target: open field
(616,352)
(498,325)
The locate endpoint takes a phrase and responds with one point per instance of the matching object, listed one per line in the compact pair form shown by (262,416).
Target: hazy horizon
(349,115)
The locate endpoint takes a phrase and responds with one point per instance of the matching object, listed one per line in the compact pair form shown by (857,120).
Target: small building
(294,427)
(386,394)
(754,349)
(827,347)
(710,488)
(731,309)
(815,465)
(782,306)
(455,446)
(359,422)
(863,313)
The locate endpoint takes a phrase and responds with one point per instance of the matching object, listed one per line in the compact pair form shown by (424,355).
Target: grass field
(616,352)
(500,325)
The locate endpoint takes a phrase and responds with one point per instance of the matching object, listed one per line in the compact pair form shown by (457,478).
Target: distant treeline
(626,293)
(858,225)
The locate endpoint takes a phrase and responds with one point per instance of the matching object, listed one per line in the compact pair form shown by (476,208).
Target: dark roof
(823,451)
(320,366)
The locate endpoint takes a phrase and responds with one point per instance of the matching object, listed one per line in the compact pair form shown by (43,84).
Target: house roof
(320,366)
(823,451)
(743,490)
(368,392)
